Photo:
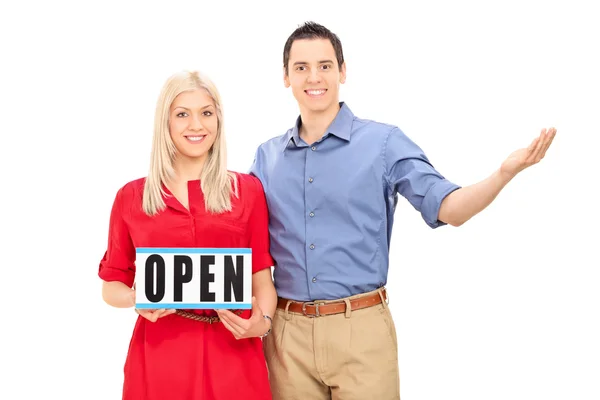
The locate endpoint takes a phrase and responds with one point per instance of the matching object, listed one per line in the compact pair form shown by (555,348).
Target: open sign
(194,278)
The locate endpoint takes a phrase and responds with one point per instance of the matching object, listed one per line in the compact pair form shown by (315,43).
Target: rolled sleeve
(118,262)
(430,207)
(410,173)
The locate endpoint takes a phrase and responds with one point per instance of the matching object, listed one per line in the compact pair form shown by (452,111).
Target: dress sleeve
(258,227)
(118,263)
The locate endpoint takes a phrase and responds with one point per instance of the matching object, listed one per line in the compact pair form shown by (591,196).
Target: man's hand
(242,328)
(462,204)
(524,158)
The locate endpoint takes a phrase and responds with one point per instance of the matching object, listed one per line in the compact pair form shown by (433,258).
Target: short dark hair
(312,30)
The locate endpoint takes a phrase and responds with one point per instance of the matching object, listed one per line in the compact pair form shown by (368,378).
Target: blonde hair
(215,180)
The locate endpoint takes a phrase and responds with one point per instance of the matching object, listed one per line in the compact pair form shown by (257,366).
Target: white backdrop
(504,307)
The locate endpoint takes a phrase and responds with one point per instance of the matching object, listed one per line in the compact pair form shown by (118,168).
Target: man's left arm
(464,203)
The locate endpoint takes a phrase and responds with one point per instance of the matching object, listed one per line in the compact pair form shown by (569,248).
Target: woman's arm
(117,294)
(264,291)
(264,302)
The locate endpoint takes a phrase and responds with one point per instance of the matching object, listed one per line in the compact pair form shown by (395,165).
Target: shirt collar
(341,126)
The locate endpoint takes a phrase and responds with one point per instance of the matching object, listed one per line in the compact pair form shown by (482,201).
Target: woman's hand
(153,315)
(256,326)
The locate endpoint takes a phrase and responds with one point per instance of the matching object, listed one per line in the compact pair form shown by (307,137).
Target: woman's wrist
(268,325)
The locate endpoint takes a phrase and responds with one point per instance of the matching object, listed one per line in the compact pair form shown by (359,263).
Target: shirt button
(312,246)
(310,180)
(314,280)
(312,214)
(313,148)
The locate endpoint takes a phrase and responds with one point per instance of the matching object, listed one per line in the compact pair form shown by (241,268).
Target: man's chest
(321,177)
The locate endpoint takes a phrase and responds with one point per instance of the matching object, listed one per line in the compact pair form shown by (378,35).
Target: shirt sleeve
(255,168)
(118,263)
(258,226)
(410,173)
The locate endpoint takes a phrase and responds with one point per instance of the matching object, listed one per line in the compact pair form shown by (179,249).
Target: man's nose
(314,76)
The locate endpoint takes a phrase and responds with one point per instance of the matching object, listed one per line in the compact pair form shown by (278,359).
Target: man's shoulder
(373,129)
(373,126)
(275,143)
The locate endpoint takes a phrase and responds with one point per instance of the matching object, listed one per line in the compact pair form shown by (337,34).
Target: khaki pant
(340,357)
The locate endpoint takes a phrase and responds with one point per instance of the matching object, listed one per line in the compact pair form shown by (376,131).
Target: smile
(195,138)
(315,92)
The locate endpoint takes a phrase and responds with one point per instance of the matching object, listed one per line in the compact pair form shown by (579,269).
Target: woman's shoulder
(248,180)
(248,185)
(131,190)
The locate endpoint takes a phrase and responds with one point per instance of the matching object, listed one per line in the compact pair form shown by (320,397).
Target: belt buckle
(311,303)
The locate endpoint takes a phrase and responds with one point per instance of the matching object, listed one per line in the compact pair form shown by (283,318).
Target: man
(332,183)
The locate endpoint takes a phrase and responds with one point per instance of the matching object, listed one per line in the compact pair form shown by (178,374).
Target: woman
(189,199)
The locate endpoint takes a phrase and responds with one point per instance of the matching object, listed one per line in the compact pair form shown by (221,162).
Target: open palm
(526,157)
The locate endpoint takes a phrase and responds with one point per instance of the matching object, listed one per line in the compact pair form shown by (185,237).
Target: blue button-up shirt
(331,204)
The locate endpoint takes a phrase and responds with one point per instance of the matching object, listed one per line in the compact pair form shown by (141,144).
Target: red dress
(178,358)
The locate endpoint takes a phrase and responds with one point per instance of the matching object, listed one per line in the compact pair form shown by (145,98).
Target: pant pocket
(386,315)
(273,343)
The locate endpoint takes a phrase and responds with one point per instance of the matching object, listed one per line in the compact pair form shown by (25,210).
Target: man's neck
(314,124)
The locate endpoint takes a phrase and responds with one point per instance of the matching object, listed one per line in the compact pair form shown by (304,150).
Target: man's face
(314,75)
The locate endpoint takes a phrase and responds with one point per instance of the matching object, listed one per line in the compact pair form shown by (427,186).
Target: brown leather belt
(318,309)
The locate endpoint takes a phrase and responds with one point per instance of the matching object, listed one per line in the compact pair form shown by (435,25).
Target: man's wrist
(505,176)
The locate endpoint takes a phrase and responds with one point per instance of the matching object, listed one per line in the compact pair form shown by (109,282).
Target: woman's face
(193,124)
